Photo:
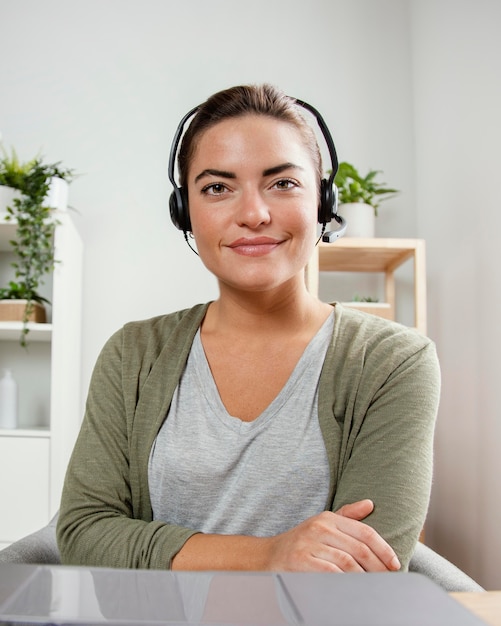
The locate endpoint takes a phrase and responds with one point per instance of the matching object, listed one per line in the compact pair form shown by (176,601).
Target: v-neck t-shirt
(212,472)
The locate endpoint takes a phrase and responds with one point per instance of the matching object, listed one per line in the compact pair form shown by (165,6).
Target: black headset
(327,208)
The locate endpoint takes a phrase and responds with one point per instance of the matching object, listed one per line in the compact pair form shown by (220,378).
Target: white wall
(457,102)
(101,85)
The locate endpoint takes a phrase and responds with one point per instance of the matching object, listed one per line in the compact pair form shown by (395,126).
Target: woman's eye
(285,183)
(214,189)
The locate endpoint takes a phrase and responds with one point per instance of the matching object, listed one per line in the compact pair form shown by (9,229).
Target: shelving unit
(374,255)
(38,332)
(33,457)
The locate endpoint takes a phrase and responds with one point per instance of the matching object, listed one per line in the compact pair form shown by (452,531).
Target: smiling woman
(267,429)
(253,193)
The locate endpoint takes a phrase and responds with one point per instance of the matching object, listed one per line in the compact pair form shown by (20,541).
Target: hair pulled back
(239,101)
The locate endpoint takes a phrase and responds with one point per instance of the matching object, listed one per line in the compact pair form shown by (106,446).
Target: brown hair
(243,100)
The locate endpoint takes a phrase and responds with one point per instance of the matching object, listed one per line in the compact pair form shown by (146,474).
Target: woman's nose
(253,210)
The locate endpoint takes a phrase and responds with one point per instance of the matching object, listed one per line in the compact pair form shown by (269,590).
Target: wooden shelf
(353,254)
(365,255)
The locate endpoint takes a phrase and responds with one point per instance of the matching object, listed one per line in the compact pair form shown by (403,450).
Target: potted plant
(17,302)
(359,198)
(33,246)
(369,304)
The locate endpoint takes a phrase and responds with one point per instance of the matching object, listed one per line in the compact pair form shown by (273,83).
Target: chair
(428,562)
(41,547)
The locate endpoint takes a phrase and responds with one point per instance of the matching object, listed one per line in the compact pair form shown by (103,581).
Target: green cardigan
(378,399)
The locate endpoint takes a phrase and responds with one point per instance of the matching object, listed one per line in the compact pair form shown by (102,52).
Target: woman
(266,430)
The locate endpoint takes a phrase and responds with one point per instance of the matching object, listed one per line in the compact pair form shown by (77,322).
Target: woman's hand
(327,542)
(333,542)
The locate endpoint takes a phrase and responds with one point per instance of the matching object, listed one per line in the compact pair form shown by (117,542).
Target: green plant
(17,291)
(12,171)
(357,298)
(353,187)
(31,178)
(33,245)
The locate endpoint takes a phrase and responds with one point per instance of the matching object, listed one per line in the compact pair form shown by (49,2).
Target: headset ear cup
(174,209)
(185,210)
(179,212)
(334,195)
(327,209)
(325,204)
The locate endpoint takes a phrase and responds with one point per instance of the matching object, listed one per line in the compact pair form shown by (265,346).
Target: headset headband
(327,210)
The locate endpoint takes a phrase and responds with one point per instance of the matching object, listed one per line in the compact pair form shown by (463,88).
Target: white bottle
(8,400)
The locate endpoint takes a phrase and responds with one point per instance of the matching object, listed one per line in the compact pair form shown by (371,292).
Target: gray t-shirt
(215,473)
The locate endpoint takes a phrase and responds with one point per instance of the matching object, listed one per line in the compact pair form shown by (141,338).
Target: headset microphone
(331,235)
(327,207)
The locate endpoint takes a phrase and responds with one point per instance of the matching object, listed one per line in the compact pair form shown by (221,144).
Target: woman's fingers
(357,510)
(363,545)
(334,542)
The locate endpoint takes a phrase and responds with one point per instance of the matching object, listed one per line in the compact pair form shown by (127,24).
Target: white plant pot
(360,219)
(57,196)
(7,195)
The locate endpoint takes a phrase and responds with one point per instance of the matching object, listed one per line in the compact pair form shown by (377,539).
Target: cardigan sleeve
(386,407)
(100,521)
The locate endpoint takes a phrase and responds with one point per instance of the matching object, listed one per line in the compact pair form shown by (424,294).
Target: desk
(486,605)
(80,595)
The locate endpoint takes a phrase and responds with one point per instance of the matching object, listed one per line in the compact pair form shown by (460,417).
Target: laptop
(42,594)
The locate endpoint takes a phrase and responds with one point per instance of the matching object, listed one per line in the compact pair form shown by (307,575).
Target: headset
(327,208)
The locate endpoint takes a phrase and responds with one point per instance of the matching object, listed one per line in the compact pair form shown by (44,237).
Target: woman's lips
(257,246)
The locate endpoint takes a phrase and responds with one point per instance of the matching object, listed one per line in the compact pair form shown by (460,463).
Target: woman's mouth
(254,246)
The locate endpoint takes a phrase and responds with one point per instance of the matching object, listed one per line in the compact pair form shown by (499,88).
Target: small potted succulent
(359,198)
(31,209)
(369,304)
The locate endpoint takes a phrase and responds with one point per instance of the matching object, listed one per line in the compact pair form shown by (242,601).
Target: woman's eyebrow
(217,173)
(278,169)
(271,171)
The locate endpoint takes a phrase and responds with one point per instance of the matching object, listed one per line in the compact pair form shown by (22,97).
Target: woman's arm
(101,520)
(388,437)
(328,542)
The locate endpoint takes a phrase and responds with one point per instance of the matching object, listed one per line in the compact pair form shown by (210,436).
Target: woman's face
(253,197)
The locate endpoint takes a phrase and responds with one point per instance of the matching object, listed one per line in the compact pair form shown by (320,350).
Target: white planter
(360,219)
(7,195)
(57,196)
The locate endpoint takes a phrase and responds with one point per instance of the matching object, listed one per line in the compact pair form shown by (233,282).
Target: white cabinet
(34,456)
(24,487)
